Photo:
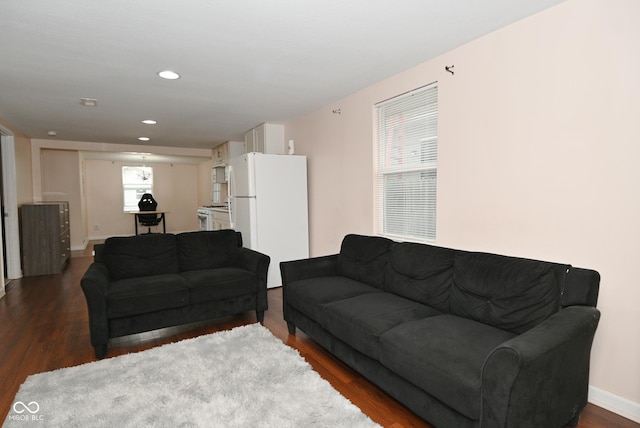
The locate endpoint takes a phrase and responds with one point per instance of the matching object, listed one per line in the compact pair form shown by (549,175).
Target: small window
(406,173)
(136,181)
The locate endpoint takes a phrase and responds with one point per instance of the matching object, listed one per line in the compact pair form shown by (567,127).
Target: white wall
(539,147)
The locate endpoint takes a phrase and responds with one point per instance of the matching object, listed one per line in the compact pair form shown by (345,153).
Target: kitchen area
(265,138)
(216,215)
(259,188)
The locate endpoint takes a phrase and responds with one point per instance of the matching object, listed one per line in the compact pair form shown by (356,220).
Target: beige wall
(538,157)
(179,186)
(206,186)
(62,182)
(175,188)
(23,169)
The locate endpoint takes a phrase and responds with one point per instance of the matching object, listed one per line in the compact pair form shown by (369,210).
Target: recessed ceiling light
(143,138)
(52,133)
(168,74)
(89,102)
(149,122)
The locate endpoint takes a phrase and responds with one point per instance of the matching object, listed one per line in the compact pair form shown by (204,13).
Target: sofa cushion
(364,258)
(443,355)
(141,255)
(309,295)
(510,293)
(207,249)
(420,272)
(221,283)
(134,296)
(360,320)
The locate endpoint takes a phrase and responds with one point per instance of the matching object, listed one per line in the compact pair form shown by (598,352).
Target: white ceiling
(242,62)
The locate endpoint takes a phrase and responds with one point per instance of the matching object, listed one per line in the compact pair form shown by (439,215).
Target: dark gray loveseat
(146,282)
(463,339)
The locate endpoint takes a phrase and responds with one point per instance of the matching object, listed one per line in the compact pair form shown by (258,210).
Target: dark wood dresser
(46,243)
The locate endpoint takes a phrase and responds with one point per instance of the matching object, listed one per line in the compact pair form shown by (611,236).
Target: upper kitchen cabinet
(265,138)
(224,152)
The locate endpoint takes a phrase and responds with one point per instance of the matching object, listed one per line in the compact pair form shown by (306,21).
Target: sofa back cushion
(207,249)
(141,255)
(510,293)
(364,258)
(422,273)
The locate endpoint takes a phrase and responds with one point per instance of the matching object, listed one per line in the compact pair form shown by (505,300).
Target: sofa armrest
(95,285)
(257,263)
(541,377)
(297,270)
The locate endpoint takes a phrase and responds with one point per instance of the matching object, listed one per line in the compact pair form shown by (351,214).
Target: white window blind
(407,165)
(136,181)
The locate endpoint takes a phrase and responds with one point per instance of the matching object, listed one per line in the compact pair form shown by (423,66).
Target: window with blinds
(407,165)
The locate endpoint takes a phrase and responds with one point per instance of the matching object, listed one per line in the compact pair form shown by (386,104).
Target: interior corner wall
(61,181)
(205,190)
(538,157)
(24,185)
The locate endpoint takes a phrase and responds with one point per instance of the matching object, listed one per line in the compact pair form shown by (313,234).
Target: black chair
(147,203)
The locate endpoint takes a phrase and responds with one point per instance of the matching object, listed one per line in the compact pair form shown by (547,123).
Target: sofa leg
(260,316)
(101,351)
(292,328)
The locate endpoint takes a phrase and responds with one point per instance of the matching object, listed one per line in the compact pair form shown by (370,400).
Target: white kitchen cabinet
(224,152)
(265,138)
(218,174)
(221,220)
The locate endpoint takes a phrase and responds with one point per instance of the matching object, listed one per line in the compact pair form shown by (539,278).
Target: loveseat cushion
(207,249)
(510,293)
(134,296)
(443,355)
(309,295)
(221,283)
(361,320)
(364,258)
(420,272)
(141,255)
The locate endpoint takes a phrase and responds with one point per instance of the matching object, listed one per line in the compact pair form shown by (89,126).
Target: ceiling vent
(89,102)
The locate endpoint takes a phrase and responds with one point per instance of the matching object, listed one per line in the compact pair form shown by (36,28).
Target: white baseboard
(103,237)
(80,247)
(614,403)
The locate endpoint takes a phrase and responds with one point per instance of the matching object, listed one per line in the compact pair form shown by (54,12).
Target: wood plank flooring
(44,326)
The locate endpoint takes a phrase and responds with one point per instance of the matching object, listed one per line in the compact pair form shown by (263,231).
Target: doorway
(10,223)
(3,233)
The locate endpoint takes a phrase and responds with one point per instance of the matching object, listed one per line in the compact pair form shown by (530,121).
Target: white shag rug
(245,377)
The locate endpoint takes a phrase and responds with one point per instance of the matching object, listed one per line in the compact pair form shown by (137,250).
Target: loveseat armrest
(296,270)
(258,264)
(541,377)
(95,285)
(253,261)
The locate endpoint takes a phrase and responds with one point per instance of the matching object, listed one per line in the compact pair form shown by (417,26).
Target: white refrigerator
(268,205)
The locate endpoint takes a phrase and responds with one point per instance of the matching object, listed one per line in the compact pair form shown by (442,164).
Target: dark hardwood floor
(43,326)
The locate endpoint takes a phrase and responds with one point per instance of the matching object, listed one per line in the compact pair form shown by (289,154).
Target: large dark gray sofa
(146,282)
(463,339)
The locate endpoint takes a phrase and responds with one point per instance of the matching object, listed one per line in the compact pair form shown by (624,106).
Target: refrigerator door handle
(231,196)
